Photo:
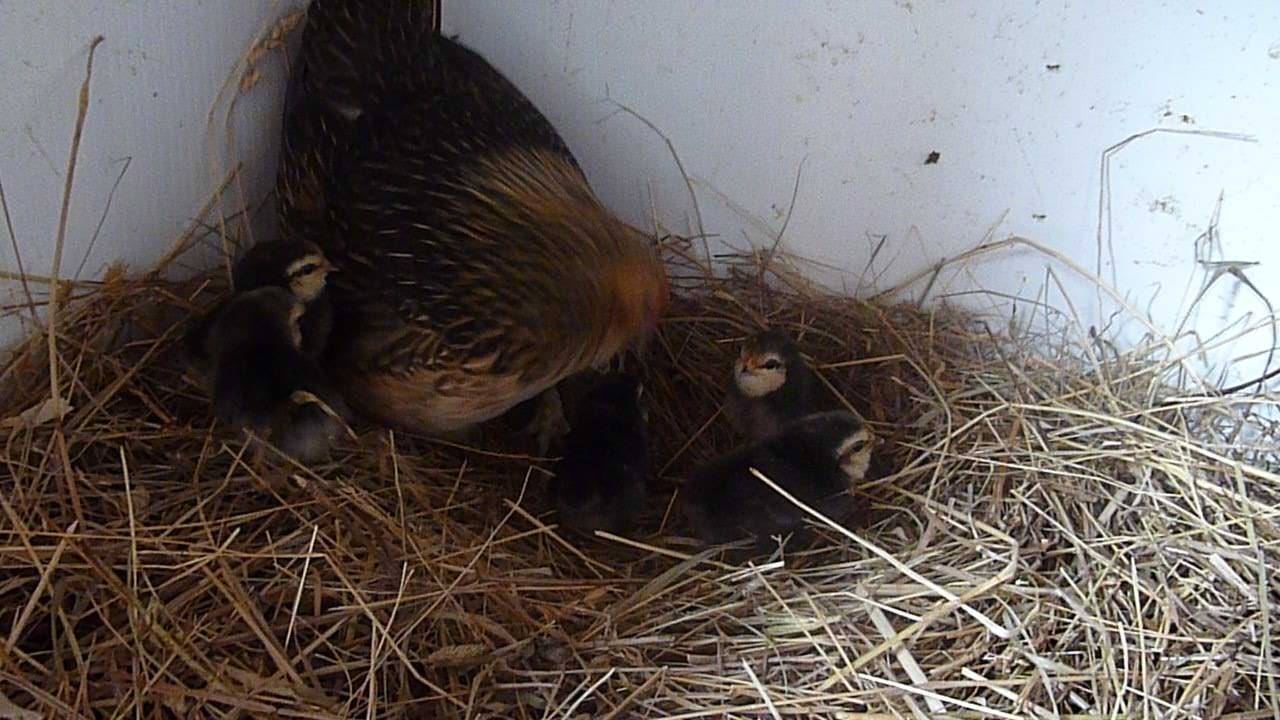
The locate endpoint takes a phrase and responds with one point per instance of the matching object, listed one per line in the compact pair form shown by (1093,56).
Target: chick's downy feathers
(601,481)
(300,267)
(262,381)
(297,266)
(818,459)
(771,385)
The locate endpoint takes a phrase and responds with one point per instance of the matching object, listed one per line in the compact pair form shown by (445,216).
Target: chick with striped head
(263,382)
(819,459)
(297,266)
(478,269)
(300,267)
(771,385)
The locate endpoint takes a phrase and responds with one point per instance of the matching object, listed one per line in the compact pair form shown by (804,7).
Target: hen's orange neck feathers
(640,286)
(615,266)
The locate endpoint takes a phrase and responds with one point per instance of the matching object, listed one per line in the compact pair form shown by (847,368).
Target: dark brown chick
(771,386)
(262,381)
(294,265)
(301,268)
(601,482)
(477,267)
(818,459)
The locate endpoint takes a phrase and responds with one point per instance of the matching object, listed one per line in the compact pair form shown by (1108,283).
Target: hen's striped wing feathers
(476,265)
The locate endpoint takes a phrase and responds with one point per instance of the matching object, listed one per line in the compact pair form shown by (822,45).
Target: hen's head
(563,252)
(640,290)
(629,292)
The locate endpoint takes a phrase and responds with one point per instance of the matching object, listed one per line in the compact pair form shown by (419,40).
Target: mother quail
(476,267)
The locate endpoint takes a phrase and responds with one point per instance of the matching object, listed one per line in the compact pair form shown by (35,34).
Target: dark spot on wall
(933,158)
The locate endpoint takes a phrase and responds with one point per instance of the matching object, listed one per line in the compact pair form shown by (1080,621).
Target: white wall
(156,77)
(860,91)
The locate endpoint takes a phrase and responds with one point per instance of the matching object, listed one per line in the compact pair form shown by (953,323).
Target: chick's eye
(771,365)
(306,269)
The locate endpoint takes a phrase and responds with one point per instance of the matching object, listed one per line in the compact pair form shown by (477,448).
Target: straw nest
(1055,534)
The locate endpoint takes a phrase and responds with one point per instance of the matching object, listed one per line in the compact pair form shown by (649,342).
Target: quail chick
(818,459)
(262,381)
(297,266)
(477,267)
(602,479)
(301,268)
(197,351)
(772,385)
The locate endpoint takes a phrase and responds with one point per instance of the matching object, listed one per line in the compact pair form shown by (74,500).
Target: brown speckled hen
(476,267)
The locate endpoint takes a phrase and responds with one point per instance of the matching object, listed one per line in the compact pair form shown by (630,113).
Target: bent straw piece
(995,628)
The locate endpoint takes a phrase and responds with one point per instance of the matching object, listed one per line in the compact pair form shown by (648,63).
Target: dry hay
(1050,541)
